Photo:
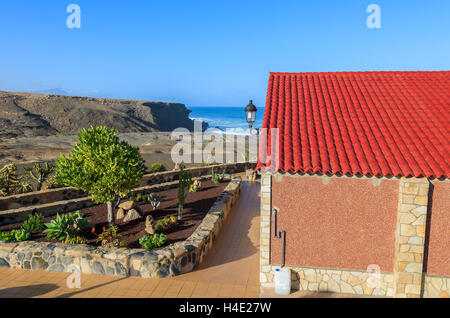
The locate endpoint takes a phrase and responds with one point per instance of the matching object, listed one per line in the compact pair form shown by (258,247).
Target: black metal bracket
(276,234)
(279,234)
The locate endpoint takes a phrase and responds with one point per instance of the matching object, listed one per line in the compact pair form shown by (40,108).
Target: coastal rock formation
(27,115)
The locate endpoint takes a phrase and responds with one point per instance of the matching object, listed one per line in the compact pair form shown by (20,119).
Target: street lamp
(250,114)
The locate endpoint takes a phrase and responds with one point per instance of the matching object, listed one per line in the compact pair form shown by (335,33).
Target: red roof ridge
(356,72)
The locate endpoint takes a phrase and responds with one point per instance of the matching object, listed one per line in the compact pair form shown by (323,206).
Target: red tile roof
(360,123)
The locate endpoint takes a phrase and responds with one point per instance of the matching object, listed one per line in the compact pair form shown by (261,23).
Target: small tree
(184,181)
(102,165)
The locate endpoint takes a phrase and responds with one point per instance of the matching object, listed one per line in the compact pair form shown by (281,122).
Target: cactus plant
(217,178)
(40,173)
(184,181)
(10,182)
(155,200)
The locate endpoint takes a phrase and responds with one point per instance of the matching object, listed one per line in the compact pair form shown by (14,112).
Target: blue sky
(210,53)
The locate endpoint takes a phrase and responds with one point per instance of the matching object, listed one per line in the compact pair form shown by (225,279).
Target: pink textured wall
(347,223)
(439,239)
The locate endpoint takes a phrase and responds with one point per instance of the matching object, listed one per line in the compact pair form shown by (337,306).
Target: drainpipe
(279,234)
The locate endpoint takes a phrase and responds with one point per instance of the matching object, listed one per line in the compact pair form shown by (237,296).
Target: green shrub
(34,223)
(77,239)
(21,235)
(165,223)
(51,183)
(15,236)
(157,167)
(6,236)
(153,241)
(110,237)
(140,198)
(79,221)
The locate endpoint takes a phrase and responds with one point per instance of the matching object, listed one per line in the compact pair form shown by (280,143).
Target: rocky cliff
(26,114)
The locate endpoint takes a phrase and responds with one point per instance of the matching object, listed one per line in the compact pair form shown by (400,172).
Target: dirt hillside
(28,115)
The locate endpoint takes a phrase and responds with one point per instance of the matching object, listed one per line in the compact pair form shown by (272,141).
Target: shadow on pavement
(28,291)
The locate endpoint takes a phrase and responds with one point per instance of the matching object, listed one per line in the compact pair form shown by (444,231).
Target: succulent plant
(155,200)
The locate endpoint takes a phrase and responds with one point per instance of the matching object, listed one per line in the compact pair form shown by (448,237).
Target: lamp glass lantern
(250,114)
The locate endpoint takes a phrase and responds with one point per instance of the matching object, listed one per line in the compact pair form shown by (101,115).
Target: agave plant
(155,200)
(66,226)
(58,228)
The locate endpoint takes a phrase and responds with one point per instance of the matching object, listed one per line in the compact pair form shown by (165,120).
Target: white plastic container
(283,281)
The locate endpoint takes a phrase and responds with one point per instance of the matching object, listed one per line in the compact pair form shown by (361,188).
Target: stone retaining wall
(68,193)
(40,197)
(172,175)
(177,258)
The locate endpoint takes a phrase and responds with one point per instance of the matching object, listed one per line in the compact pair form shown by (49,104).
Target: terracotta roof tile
(361,123)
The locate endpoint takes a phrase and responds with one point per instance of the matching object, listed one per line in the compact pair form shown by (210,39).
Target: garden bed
(48,196)
(177,258)
(195,208)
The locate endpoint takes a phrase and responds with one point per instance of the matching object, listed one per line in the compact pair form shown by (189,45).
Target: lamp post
(250,114)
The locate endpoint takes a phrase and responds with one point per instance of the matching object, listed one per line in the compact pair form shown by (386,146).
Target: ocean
(225,118)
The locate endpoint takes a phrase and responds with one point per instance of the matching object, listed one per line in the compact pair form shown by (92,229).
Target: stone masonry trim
(410,237)
(436,286)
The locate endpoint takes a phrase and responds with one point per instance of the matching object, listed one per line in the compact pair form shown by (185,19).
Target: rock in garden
(250,175)
(149,223)
(132,215)
(127,205)
(178,166)
(120,214)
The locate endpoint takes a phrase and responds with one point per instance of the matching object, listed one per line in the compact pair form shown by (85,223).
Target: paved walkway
(231,269)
